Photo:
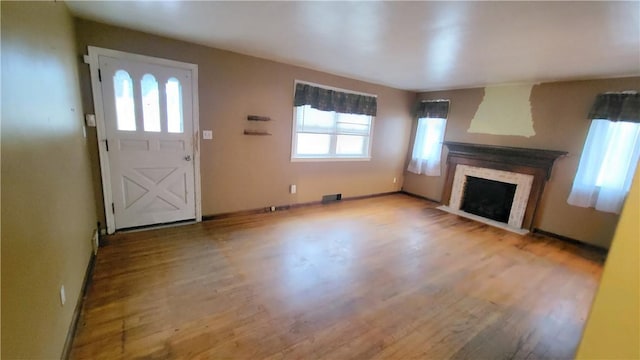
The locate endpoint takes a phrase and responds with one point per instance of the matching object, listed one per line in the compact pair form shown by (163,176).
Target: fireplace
(488,198)
(498,185)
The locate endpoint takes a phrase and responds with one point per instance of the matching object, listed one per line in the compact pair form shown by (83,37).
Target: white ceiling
(406,45)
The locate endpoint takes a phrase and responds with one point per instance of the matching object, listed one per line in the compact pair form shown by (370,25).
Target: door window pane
(150,103)
(125,111)
(350,145)
(174,106)
(313,144)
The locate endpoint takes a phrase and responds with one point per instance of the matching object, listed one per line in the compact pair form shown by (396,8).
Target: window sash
(338,127)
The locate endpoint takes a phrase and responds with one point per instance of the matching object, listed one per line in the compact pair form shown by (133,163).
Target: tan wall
(559,112)
(613,327)
(245,172)
(47,198)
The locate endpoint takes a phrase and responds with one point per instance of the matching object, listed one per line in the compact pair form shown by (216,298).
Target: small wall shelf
(258,118)
(256,129)
(256,133)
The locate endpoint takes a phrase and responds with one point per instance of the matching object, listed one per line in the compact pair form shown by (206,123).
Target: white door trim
(94,65)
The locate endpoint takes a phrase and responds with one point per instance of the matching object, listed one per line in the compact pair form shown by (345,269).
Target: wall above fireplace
(537,163)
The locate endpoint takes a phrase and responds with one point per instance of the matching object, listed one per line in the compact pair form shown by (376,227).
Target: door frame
(94,66)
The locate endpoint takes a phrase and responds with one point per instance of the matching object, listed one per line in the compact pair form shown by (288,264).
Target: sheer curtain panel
(610,155)
(427,146)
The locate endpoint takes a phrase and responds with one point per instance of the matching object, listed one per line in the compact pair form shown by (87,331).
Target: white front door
(149,141)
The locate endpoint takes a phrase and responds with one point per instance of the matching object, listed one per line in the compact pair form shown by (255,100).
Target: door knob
(188,157)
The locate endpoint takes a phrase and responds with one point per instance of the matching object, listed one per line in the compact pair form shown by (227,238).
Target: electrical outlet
(207,134)
(95,242)
(63,296)
(292,189)
(395,180)
(90,120)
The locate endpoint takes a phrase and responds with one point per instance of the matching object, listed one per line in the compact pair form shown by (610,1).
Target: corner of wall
(48,212)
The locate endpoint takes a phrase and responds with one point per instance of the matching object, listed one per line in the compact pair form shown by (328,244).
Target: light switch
(207,134)
(90,119)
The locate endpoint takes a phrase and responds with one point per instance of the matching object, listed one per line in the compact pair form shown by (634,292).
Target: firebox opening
(488,198)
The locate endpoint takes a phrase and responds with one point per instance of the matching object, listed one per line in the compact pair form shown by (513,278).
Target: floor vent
(331,198)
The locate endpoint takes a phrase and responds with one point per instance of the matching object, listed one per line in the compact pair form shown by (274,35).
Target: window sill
(327,159)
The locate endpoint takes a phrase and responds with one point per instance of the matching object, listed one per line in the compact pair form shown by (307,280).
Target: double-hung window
(331,124)
(427,145)
(610,154)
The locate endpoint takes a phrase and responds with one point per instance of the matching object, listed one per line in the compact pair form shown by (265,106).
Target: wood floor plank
(386,278)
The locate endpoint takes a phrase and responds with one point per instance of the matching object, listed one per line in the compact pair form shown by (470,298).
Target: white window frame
(330,157)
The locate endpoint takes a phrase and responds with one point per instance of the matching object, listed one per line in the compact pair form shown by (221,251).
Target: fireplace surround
(527,169)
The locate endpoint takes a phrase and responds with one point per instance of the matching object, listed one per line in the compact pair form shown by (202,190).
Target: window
(336,131)
(610,154)
(150,103)
(427,146)
(174,106)
(125,110)
(607,165)
(329,134)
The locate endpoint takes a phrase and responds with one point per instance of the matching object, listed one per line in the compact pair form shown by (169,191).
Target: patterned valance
(334,100)
(624,106)
(433,109)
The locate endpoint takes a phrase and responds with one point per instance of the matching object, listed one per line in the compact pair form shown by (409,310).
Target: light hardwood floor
(381,278)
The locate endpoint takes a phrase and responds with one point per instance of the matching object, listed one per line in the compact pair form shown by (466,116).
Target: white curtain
(427,148)
(607,165)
